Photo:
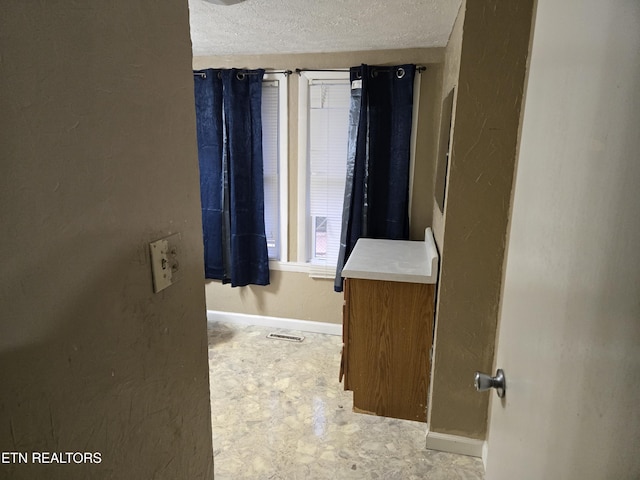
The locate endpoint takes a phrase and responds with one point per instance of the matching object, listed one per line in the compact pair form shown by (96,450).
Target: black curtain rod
(300,70)
(419,69)
(248,72)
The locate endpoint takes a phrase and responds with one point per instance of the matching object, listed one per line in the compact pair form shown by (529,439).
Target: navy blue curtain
(229,127)
(376,202)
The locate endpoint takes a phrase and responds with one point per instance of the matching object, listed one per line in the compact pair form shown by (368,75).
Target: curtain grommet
(400,72)
(219,75)
(240,76)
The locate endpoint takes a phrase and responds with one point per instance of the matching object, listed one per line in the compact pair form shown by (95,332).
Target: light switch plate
(165,267)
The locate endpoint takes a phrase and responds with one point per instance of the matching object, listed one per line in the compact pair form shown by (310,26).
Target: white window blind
(328,129)
(271,154)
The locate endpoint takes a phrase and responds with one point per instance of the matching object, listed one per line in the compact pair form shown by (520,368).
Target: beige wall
(290,295)
(449,79)
(288,286)
(99,158)
(492,64)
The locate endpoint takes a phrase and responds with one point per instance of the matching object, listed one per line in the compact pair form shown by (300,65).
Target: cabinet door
(389,335)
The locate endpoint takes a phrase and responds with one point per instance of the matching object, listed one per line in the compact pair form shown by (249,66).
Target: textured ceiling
(298,26)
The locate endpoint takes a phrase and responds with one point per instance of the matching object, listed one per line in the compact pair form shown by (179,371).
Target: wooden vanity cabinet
(387,336)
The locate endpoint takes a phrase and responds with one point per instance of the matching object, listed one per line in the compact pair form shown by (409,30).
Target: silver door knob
(485,382)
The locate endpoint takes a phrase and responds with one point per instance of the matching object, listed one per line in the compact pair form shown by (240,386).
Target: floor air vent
(285,336)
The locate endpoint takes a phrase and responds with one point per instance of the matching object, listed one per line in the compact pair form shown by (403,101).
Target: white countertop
(394,260)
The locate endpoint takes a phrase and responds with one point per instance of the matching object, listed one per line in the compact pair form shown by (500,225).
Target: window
(324,99)
(274,148)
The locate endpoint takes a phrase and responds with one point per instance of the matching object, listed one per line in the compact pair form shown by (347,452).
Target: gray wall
(570,305)
(98,157)
(570,310)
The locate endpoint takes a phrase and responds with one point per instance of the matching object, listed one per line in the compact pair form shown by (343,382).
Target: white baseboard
(275,322)
(454,444)
(485,454)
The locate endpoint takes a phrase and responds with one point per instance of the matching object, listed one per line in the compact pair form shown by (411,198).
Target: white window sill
(300,267)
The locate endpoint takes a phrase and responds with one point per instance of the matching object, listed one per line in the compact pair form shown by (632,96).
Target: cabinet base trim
(365,412)
(275,322)
(454,444)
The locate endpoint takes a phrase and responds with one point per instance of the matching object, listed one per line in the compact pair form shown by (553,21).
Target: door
(569,334)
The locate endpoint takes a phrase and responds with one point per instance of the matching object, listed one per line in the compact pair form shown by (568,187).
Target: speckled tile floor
(278,412)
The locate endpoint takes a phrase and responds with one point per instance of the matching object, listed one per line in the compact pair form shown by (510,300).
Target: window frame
(305,240)
(283,163)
